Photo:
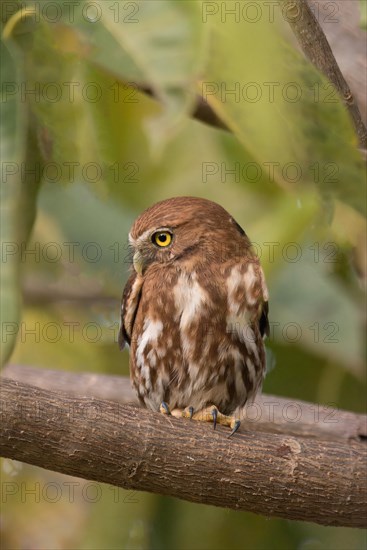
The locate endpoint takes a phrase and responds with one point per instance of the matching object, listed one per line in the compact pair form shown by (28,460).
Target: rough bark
(341,23)
(267,473)
(269,413)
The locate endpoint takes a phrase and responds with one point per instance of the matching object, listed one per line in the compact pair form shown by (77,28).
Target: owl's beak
(138,262)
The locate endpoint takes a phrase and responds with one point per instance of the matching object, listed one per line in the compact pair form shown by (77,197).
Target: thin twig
(316,47)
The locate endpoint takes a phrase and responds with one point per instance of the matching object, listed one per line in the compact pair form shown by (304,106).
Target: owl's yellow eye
(162,238)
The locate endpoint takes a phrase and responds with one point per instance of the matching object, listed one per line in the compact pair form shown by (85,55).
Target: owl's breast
(181,351)
(166,335)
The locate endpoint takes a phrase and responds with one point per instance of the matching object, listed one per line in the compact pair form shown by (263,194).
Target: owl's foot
(164,408)
(212,414)
(209,414)
(178,413)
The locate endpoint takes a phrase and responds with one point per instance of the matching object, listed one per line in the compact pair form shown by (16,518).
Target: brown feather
(196,316)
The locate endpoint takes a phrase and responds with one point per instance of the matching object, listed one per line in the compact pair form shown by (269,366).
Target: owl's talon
(235,426)
(189,413)
(214,413)
(164,408)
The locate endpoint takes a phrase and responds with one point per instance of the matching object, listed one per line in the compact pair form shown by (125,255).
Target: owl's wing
(129,307)
(264,321)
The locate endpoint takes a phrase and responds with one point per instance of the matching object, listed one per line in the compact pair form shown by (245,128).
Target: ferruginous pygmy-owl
(194,311)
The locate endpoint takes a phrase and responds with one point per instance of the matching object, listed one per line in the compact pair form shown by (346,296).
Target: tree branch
(269,413)
(267,473)
(315,46)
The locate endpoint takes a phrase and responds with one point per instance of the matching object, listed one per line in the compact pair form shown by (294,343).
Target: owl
(194,312)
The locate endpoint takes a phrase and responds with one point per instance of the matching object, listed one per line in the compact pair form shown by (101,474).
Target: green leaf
(11,154)
(363,8)
(281,109)
(309,307)
(157,45)
(20,179)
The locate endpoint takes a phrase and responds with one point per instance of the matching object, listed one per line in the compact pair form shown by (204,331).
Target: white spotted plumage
(194,313)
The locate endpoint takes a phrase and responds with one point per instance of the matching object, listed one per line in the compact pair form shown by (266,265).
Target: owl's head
(189,229)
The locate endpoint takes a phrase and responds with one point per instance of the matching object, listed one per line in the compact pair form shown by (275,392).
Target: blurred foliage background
(84,152)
